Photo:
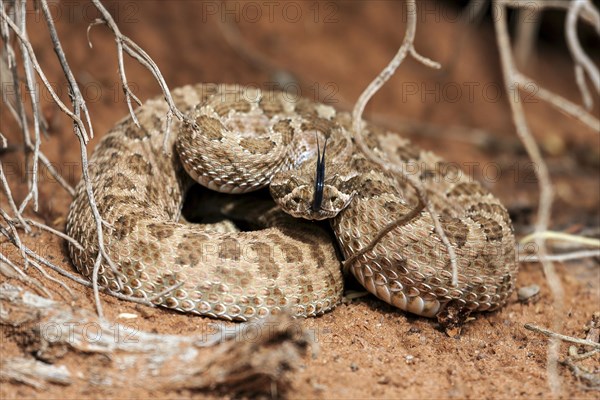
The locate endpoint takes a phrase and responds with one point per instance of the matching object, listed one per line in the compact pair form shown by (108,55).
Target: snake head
(316,188)
(296,195)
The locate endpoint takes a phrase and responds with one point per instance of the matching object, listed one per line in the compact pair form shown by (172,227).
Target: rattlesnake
(242,139)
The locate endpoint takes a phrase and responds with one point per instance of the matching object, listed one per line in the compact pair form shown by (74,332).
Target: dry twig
(573,360)
(559,336)
(135,51)
(8,26)
(514,82)
(79,130)
(406,48)
(216,359)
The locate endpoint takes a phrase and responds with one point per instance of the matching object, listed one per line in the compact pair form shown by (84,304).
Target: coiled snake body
(243,139)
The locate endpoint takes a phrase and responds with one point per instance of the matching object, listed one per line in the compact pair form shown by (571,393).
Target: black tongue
(319,177)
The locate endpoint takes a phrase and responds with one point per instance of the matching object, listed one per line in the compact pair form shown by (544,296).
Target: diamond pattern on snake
(238,140)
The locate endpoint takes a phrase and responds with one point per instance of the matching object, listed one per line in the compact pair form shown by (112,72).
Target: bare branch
(515,81)
(135,51)
(582,61)
(9,269)
(564,338)
(582,240)
(33,372)
(76,97)
(384,231)
(79,131)
(14,236)
(214,359)
(575,255)
(128,93)
(528,25)
(11,202)
(61,181)
(57,233)
(556,101)
(407,47)
(589,14)
(33,94)
(75,278)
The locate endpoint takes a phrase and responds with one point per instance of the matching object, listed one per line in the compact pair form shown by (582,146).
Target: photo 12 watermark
(291,12)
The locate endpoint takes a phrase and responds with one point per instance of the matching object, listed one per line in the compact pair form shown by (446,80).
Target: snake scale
(241,139)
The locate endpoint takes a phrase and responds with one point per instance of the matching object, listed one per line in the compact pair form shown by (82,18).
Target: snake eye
(296,199)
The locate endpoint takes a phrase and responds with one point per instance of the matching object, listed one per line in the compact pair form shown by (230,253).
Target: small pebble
(525,293)
(384,380)
(127,316)
(353,367)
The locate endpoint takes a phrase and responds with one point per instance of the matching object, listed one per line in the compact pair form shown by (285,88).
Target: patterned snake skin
(243,140)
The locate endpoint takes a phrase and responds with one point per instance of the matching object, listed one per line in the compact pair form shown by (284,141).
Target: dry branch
(135,51)
(218,359)
(33,372)
(514,82)
(12,22)
(591,376)
(545,185)
(559,336)
(407,47)
(8,25)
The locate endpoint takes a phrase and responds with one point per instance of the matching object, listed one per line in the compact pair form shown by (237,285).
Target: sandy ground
(367,348)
